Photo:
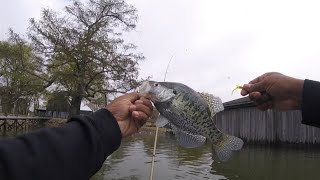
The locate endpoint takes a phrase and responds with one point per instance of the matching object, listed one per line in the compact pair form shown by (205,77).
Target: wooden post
(4,127)
(15,126)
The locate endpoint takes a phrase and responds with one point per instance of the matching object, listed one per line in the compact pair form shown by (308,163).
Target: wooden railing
(21,124)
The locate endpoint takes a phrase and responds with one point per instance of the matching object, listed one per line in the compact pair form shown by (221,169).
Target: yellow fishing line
(237,87)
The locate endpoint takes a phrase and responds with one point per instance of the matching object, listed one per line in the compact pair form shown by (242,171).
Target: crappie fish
(190,116)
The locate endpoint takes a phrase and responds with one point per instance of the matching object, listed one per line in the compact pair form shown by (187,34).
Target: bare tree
(83,50)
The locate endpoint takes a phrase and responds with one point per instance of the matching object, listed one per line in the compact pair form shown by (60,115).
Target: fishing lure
(236,88)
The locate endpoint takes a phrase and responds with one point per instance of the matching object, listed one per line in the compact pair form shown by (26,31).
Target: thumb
(257,87)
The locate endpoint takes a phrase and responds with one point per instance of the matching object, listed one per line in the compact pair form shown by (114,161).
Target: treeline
(74,56)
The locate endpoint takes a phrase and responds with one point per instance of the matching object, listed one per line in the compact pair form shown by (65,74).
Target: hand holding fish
(275,90)
(131,112)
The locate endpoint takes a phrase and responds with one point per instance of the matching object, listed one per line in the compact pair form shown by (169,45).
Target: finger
(260,98)
(145,95)
(245,89)
(133,96)
(244,92)
(259,84)
(248,88)
(132,108)
(143,108)
(139,118)
(265,106)
(145,101)
(254,96)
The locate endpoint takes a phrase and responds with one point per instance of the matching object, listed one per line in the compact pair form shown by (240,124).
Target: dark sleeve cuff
(310,103)
(107,128)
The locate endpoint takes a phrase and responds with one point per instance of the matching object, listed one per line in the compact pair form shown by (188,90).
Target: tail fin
(225,147)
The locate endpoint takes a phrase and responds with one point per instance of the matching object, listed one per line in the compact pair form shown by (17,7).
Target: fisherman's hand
(275,90)
(131,112)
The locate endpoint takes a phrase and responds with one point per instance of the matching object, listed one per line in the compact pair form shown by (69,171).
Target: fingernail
(243,92)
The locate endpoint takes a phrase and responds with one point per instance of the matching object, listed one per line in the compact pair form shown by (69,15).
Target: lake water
(132,161)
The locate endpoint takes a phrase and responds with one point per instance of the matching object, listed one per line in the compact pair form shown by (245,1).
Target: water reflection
(272,163)
(132,161)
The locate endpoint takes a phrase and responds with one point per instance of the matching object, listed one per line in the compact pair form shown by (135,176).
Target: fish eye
(174,91)
(156,84)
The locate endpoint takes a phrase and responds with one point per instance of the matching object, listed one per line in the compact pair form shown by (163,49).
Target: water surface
(133,161)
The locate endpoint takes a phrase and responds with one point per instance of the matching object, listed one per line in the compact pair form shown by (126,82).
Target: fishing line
(157,130)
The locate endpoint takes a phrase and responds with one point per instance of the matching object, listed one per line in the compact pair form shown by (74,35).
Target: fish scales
(194,112)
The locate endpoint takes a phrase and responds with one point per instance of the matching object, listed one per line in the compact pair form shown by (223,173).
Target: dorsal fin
(214,102)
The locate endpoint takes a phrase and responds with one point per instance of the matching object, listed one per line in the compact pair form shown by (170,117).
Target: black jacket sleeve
(75,150)
(310,106)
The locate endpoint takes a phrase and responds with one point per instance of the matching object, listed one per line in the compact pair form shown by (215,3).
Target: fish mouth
(158,96)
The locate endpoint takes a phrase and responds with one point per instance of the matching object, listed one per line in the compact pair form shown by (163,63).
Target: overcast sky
(215,45)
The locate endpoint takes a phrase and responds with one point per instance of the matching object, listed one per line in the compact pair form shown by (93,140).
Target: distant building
(42,112)
(241,118)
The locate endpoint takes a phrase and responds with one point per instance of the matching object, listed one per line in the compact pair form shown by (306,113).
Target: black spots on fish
(205,116)
(187,98)
(194,115)
(216,136)
(188,105)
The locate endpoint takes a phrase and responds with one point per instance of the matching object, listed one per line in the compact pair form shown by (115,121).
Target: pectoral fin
(186,139)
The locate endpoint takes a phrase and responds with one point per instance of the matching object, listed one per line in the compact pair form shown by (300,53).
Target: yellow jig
(237,87)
